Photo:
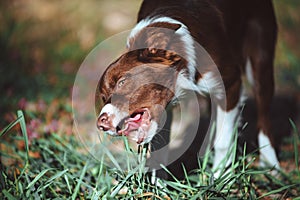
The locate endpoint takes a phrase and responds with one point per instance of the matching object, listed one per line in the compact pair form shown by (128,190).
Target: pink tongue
(135,118)
(132,124)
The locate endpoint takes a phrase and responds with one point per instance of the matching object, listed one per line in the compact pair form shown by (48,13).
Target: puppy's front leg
(227,119)
(223,141)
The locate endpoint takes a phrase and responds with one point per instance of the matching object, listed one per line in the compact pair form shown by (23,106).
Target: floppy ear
(158,38)
(168,58)
(161,35)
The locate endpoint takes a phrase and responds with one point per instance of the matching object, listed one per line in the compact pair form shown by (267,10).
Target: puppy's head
(136,88)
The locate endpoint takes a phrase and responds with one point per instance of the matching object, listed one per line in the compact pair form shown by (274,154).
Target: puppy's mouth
(136,125)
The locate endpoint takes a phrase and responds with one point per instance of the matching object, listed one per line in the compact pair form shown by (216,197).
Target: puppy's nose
(104,122)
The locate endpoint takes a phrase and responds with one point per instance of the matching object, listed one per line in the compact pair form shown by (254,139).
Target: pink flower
(32,129)
(52,127)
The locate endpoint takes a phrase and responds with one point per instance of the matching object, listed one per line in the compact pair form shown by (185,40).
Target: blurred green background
(43,43)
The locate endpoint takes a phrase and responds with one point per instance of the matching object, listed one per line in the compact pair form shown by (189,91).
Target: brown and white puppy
(164,57)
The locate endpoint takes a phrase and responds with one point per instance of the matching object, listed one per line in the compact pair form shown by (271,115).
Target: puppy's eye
(121,82)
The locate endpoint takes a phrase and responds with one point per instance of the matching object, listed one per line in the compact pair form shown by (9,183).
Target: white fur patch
(152,131)
(138,27)
(211,84)
(224,135)
(267,152)
(208,84)
(183,83)
(115,114)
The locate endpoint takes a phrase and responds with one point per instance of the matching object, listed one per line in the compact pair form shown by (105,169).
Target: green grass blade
(42,173)
(164,168)
(186,175)
(9,126)
(233,150)
(79,181)
(50,181)
(24,132)
(68,184)
(207,151)
(125,140)
(295,141)
(112,159)
(120,185)
(8,195)
(276,191)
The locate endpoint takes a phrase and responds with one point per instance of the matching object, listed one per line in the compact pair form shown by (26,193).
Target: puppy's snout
(104,122)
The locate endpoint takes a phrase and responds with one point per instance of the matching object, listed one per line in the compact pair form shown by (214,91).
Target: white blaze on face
(115,114)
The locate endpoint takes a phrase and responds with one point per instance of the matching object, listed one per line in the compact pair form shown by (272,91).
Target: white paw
(268,156)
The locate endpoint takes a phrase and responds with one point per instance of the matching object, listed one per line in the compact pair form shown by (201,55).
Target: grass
(53,167)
